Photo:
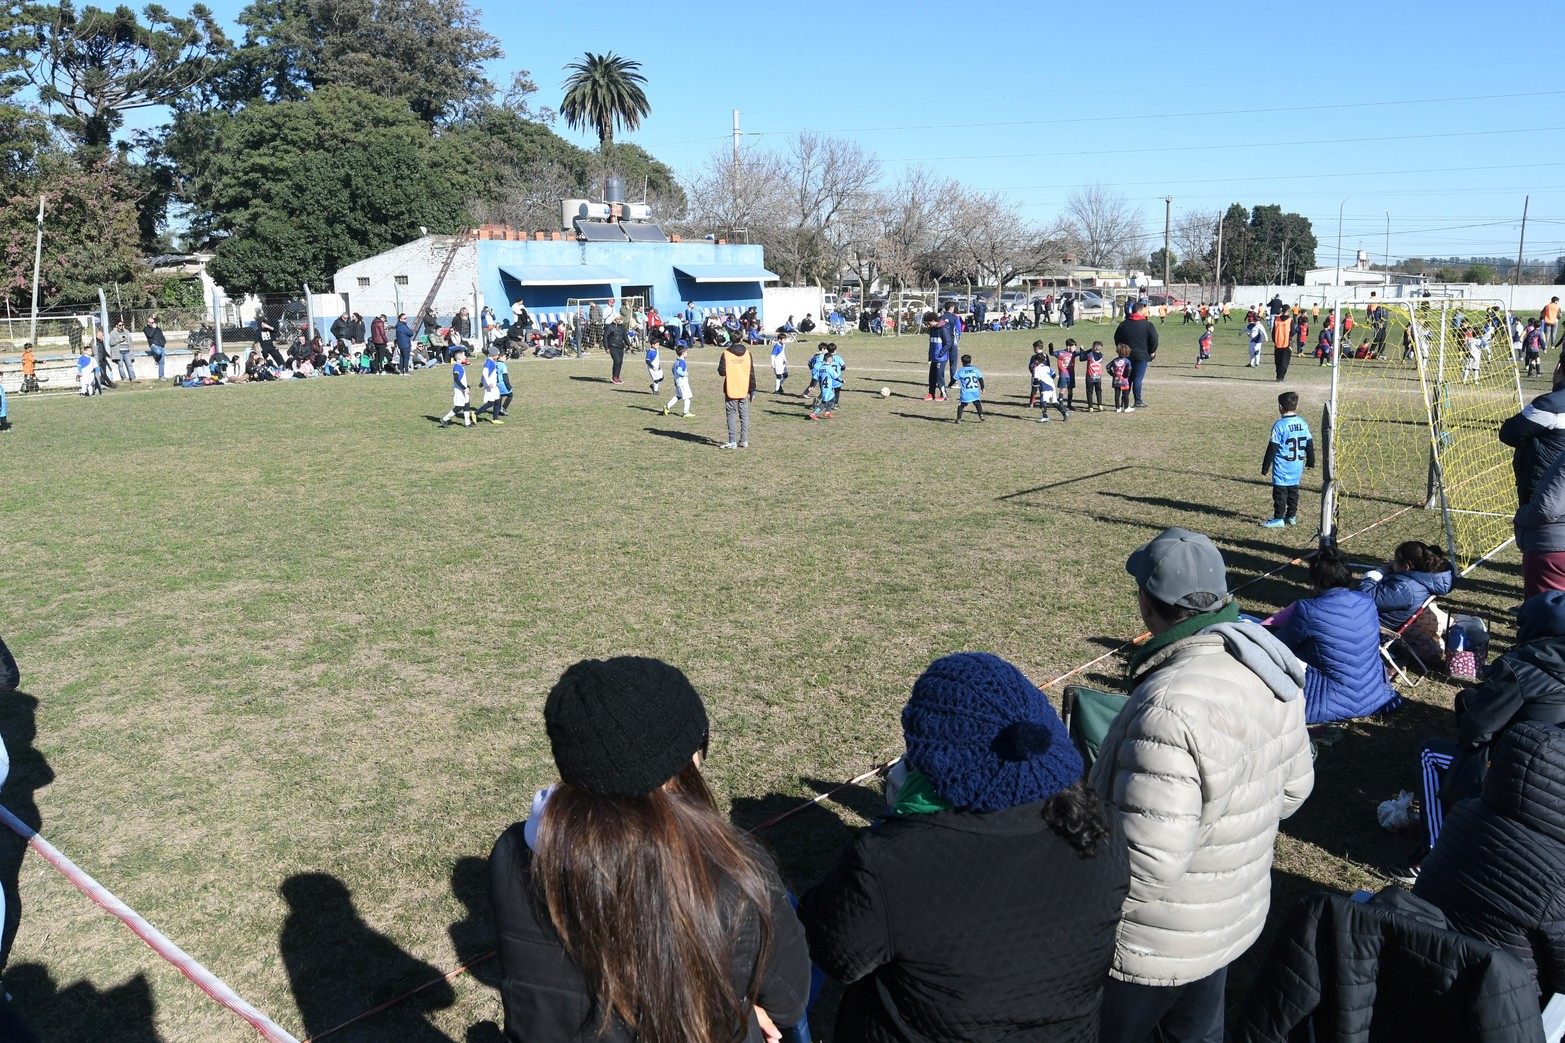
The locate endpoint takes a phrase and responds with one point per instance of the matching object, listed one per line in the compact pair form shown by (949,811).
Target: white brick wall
(420,262)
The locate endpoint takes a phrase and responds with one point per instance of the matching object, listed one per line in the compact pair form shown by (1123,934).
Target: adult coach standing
(737,368)
(614,341)
(1141,336)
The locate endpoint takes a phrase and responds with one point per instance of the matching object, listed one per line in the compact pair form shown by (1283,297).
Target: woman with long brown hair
(627,908)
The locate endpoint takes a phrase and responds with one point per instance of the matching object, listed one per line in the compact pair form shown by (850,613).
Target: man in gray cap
(1201,764)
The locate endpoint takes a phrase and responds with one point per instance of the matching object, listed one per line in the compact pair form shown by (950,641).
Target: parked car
(1163,299)
(1086,300)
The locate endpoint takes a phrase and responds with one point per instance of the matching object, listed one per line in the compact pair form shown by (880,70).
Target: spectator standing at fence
(157,343)
(340,329)
(404,333)
(1200,765)
(356,330)
(120,345)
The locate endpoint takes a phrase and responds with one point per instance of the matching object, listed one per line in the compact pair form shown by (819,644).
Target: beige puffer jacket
(1201,764)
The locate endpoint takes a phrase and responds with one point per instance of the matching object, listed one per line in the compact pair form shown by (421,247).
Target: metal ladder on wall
(457,243)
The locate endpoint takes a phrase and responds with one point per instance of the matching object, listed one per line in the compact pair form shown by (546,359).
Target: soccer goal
(588,334)
(1418,392)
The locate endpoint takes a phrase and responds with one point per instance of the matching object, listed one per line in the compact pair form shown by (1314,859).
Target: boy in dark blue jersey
(461,398)
(1288,452)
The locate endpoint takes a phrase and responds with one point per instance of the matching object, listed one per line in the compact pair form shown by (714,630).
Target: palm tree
(602,90)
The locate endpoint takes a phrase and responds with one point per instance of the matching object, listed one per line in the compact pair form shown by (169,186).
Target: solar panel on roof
(597,232)
(644,233)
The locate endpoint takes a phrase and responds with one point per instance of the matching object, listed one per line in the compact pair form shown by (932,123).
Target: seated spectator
(1539,525)
(983,903)
(1337,635)
(1498,872)
(627,908)
(1416,571)
(807,324)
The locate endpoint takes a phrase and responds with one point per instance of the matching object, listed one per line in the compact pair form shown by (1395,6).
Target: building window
(364,281)
(402,280)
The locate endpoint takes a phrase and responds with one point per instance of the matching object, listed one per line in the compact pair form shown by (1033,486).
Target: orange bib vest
(736,379)
(1280,330)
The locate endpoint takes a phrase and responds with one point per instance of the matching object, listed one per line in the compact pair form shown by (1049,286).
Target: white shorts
(491,395)
(655,374)
(459,398)
(682,386)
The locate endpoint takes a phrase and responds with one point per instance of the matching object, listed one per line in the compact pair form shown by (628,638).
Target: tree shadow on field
(29,773)
(125,1013)
(1176,505)
(339,967)
(681,436)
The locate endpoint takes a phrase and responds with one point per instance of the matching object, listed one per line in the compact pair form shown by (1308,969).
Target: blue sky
(1341,106)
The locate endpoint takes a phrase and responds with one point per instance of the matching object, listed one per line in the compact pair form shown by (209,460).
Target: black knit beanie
(622,727)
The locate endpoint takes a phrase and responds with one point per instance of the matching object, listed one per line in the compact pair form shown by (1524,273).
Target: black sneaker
(1406,873)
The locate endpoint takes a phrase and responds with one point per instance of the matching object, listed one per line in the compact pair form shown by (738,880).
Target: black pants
(937,378)
(1281,357)
(1191,1013)
(1094,393)
(978,407)
(618,355)
(1285,501)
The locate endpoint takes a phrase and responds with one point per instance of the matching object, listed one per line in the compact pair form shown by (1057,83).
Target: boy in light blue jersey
(5,420)
(503,380)
(1289,451)
(970,389)
(828,374)
(681,381)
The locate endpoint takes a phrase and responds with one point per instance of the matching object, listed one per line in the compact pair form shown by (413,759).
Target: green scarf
(918,797)
(1227,613)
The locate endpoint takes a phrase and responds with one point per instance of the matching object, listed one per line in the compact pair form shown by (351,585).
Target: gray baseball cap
(1176,564)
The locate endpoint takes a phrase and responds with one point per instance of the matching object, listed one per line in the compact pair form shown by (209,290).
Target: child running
(503,379)
(654,365)
(681,381)
(779,363)
(1204,346)
(461,400)
(970,389)
(1119,375)
(1092,382)
(1288,452)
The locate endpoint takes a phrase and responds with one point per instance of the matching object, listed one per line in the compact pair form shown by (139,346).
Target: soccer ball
(885,392)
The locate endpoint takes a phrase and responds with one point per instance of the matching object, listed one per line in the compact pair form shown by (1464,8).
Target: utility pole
(1168,219)
(735,212)
(736,139)
(32,327)
(1218,271)
(1338,279)
(1526,201)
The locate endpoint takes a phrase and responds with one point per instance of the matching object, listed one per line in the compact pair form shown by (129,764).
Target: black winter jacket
(1537,434)
(1141,335)
(1525,684)
(959,925)
(10,675)
(1498,870)
(1387,969)
(544,993)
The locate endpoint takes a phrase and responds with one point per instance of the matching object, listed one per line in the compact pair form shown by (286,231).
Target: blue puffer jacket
(1338,637)
(1398,594)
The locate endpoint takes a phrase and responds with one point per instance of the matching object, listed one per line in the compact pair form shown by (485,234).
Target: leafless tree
(1105,224)
(747,199)
(990,238)
(1195,235)
(527,199)
(916,224)
(824,176)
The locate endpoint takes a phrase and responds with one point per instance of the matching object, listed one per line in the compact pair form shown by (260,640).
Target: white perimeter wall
(1522,300)
(779,302)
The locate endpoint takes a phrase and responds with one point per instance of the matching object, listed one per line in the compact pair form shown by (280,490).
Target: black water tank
(614,190)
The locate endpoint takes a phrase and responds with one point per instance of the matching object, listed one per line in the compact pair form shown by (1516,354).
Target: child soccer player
(29,369)
(490,380)
(815,365)
(681,380)
(654,365)
(87,371)
(779,363)
(1092,363)
(461,400)
(1065,373)
(5,420)
(1048,393)
(1119,374)
(1288,452)
(503,382)
(829,376)
(1532,348)
(1204,351)
(1040,357)
(970,389)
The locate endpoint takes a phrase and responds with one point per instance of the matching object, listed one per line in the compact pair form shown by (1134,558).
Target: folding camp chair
(1390,639)
(1088,713)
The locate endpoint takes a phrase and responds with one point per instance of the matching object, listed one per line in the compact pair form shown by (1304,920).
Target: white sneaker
(744,445)
(729,445)
(1130,409)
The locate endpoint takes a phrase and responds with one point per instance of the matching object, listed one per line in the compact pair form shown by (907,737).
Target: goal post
(1419,389)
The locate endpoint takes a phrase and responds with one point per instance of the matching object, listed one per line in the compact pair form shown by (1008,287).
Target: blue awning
(562,274)
(725,273)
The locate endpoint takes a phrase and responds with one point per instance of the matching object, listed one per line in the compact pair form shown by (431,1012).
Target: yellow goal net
(1418,392)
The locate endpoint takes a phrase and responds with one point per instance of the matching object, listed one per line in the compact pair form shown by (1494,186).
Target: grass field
(285,646)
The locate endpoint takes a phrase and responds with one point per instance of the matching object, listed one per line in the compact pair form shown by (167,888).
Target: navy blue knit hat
(985,736)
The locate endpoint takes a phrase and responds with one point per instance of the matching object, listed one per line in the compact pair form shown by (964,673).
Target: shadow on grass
(339,967)
(681,436)
(122,1014)
(473,936)
(29,773)
(589,380)
(646,409)
(921,416)
(1176,505)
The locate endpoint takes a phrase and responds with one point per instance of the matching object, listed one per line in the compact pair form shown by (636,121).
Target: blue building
(546,275)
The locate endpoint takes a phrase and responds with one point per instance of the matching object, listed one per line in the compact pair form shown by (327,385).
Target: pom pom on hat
(985,736)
